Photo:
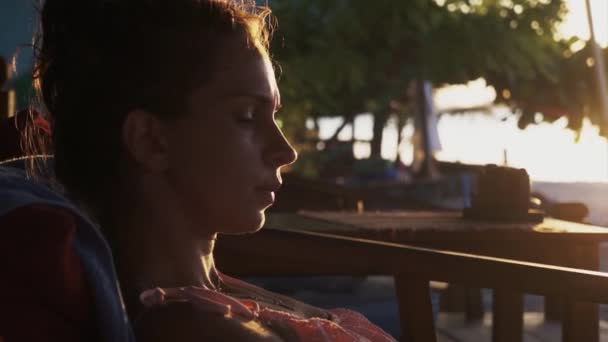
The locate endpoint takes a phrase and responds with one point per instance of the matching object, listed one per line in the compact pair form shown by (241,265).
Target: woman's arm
(182,322)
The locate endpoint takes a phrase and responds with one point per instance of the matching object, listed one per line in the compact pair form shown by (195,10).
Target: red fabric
(344,325)
(43,292)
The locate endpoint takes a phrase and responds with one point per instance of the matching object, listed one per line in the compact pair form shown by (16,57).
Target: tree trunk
(401,122)
(347,119)
(380,120)
(428,165)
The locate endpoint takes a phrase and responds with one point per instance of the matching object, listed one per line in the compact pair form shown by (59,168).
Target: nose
(279,152)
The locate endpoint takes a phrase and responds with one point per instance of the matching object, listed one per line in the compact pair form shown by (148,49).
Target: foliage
(342,57)
(570,91)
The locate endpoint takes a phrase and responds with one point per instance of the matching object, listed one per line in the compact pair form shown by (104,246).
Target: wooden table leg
(415,309)
(554,308)
(507,321)
(473,305)
(581,320)
(452,299)
(457,298)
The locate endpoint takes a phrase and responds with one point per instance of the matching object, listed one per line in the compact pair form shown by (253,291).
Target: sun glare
(576,24)
(548,151)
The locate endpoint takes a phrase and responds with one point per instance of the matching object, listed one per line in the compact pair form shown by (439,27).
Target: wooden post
(554,308)
(581,320)
(508,318)
(473,305)
(415,309)
(576,212)
(458,298)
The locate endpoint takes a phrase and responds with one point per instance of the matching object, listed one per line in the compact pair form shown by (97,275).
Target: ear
(145,140)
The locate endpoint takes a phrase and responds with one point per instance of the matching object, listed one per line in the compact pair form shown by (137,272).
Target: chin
(250,224)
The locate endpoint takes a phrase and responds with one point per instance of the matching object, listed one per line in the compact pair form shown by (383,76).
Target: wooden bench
(283,252)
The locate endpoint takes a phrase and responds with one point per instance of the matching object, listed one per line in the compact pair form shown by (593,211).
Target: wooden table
(552,242)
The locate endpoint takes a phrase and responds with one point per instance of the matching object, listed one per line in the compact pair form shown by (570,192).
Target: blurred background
(513,82)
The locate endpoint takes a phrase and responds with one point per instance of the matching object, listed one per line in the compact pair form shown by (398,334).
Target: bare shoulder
(181,322)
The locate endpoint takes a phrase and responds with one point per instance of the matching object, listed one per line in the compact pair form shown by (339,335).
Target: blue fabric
(17,190)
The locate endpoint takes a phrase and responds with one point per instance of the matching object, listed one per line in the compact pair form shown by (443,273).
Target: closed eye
(246,116)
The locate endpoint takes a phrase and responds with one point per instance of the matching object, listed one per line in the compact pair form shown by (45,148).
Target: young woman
(162,115)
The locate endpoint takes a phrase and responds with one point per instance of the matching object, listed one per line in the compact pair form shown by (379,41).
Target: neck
(155,247)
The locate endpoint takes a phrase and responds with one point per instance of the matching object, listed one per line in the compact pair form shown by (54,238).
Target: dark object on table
(503,194)
(568,211)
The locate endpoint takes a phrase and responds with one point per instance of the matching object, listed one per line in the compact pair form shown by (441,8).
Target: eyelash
(247,117)
(251,115)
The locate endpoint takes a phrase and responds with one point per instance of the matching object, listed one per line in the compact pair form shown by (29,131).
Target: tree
(344,57)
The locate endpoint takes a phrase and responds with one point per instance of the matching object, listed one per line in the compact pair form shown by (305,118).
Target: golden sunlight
(549,152)
(576,21)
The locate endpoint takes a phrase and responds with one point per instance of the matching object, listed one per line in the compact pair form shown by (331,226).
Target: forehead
(245,72)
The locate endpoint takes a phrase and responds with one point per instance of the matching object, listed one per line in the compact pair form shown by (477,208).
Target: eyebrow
(276,101)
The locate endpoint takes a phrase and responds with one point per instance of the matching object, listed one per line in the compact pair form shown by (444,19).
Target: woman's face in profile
(226,155)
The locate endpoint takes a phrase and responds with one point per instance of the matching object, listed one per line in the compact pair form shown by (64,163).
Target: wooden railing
(291,252)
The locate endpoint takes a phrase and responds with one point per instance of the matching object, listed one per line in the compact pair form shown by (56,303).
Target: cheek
(214,173)
(210,148)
